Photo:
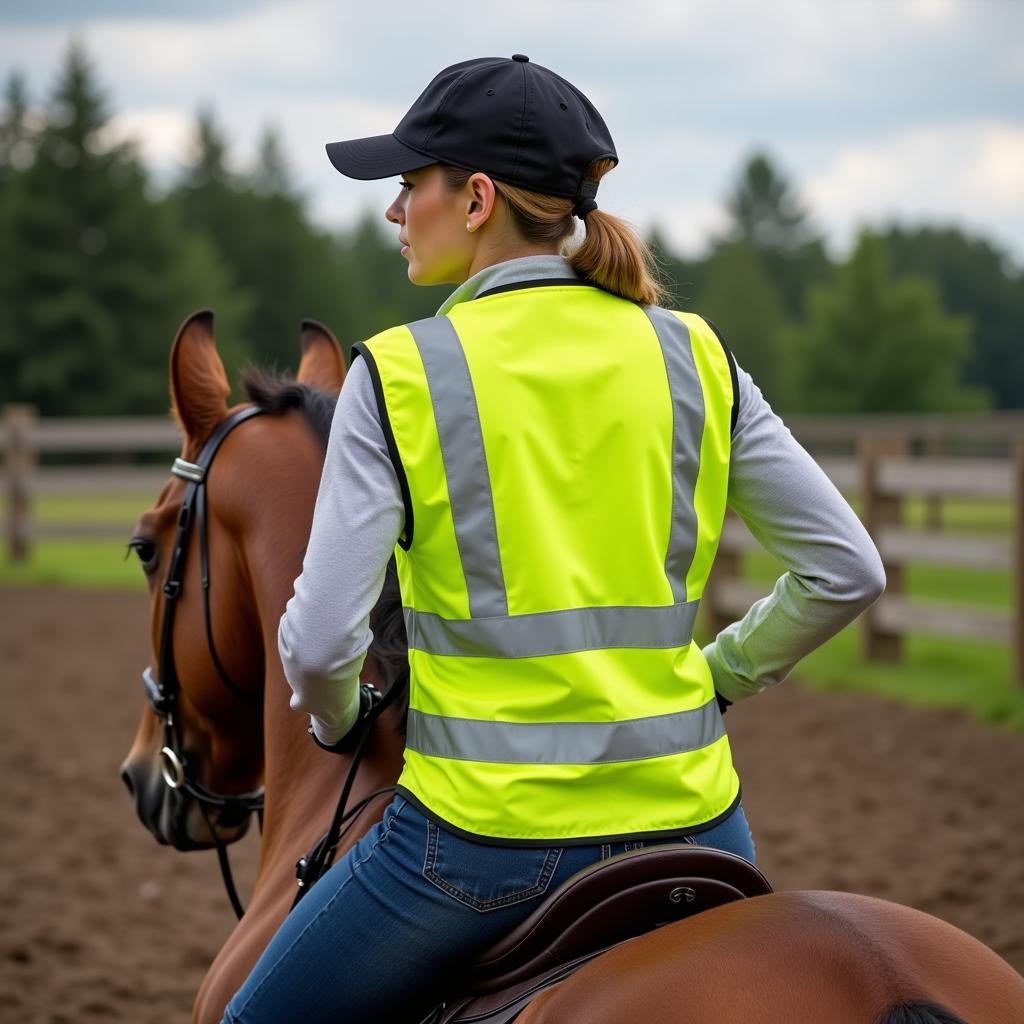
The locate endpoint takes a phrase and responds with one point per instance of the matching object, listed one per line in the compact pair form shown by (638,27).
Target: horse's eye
(147,552)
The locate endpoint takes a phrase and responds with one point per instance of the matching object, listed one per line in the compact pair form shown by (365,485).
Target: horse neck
(302,782)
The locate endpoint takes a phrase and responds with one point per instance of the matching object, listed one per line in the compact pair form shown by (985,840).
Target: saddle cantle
(602,905)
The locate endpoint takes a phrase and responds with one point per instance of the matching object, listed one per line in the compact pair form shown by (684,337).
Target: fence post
(880,510)
(1018,566)
(933,502)
(20,462)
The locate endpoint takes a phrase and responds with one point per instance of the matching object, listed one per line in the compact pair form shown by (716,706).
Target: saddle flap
(614,900)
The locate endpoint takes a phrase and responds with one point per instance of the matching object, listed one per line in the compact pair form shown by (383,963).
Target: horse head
(220,549)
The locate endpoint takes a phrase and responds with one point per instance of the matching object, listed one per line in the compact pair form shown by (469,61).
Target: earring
(468,226)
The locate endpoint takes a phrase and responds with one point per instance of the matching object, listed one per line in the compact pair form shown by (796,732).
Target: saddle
(599,907)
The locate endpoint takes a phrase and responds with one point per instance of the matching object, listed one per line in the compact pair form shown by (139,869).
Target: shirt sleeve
(796,514)
(324,633)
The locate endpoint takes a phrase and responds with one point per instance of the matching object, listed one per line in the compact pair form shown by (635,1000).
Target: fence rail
(879,469)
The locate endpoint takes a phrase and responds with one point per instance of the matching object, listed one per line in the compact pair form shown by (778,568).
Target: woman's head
(453,222)
(498,155)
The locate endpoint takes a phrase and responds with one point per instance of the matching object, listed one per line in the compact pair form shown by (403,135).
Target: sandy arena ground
(100,923)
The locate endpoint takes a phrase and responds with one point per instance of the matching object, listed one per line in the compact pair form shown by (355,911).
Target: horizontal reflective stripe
(636,739)
(560,632)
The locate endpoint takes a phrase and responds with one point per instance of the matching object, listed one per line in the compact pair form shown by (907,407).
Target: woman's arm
(795,513)
(324,632)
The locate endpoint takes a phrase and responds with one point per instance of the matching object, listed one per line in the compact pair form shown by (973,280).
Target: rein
(310,868)
(163,690)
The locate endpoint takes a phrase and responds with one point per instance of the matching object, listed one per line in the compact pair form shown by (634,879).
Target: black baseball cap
(508,117)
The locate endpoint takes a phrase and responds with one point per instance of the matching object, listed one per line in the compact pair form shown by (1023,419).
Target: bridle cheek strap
(163,690)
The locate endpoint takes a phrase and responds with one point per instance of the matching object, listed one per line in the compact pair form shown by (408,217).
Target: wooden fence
(883,459)
(27,437)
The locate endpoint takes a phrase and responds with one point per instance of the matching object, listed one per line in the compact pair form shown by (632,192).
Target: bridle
(163,690)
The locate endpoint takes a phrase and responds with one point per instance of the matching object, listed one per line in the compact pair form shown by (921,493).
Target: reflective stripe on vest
(543,468)
(537,634)
(565,742)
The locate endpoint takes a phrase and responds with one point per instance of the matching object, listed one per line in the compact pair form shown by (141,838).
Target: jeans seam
(431,874)
(385,831)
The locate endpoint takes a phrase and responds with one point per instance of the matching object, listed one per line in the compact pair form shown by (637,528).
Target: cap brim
(379,156)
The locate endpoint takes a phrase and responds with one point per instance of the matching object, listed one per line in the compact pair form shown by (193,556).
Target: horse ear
(322,364)
(199,385)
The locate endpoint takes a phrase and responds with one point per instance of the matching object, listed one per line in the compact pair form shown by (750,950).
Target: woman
(549,459)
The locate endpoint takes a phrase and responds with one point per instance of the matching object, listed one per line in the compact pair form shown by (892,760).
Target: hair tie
(585,199)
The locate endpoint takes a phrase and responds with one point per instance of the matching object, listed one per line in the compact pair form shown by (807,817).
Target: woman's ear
(480,198)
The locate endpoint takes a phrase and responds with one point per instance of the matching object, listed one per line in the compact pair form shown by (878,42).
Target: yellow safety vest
(563,454)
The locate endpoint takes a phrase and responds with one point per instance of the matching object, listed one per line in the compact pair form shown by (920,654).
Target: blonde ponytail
(611,255)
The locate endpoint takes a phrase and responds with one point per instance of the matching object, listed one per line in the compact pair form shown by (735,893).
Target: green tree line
(97,269)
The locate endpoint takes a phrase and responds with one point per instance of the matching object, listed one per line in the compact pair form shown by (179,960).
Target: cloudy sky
(912,109)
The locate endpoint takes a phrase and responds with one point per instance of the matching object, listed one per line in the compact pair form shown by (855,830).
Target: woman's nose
(394,214)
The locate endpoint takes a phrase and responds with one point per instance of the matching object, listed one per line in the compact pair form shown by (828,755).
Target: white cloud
(855,99)
(970,171)
(933,12)
(997,170)
(163,134)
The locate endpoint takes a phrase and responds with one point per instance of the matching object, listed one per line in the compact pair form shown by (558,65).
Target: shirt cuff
(331,734)
(729,685)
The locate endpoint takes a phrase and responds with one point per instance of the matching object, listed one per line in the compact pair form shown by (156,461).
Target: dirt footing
(98,922)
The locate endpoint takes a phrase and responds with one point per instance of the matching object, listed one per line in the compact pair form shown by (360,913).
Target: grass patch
(81,562)
(936,671)
(66,562)
(92,508)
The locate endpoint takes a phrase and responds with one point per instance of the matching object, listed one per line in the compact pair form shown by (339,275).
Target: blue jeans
(408,903)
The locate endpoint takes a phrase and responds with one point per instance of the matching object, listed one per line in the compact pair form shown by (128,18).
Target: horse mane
(920,1012)
(276,393)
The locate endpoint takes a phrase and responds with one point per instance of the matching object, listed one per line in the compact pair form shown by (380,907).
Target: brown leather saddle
(597,908)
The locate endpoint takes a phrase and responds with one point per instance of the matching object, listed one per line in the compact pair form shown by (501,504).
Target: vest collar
(535,269)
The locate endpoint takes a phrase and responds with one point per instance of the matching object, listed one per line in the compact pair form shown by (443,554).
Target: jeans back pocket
(487,877)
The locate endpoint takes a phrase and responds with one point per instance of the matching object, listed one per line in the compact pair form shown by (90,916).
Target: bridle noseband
(162,691)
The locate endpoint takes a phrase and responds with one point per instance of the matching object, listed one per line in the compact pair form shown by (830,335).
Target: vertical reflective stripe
(687,430)
(465,463)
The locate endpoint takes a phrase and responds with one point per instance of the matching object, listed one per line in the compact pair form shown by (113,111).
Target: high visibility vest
(563,454)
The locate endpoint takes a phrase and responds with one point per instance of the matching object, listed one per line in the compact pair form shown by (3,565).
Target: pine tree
(765,211)
(271,175)
(743,302)
(767,215)
(875,343)
(103,274)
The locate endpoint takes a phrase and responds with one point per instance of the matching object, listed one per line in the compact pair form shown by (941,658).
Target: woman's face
(432,228)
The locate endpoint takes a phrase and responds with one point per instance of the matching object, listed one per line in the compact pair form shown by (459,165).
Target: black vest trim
(359,349)
(732,374)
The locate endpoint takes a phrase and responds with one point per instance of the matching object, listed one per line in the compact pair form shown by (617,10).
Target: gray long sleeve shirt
(833,571)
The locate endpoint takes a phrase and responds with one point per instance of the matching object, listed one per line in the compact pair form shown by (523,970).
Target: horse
(218,727)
